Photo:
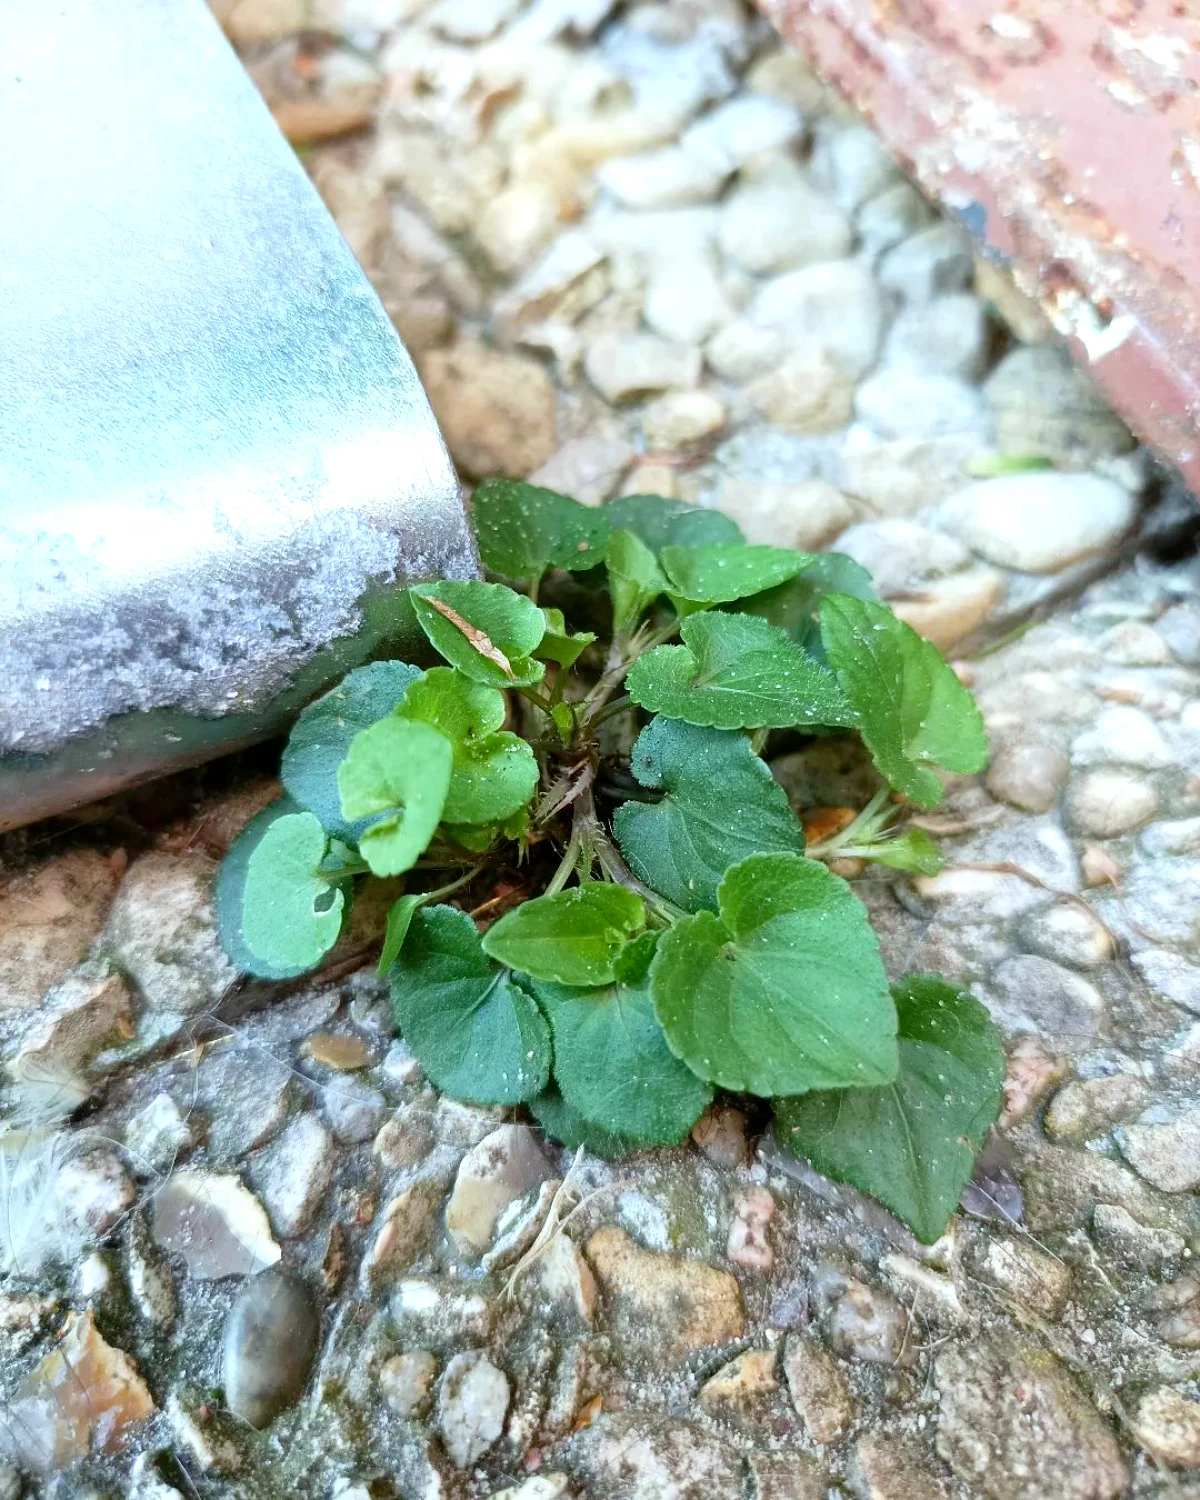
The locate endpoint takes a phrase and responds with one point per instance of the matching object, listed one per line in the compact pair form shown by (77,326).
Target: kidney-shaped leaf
(717,575)
(396,776)
(318,743)
(911,1143)
(291,910)
(522,529)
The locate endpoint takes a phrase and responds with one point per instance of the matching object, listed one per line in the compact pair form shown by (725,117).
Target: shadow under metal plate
(217,463)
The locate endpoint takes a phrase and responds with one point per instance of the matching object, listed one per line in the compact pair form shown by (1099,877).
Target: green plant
(654,926)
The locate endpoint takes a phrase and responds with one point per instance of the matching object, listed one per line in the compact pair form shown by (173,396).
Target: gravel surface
(638,250)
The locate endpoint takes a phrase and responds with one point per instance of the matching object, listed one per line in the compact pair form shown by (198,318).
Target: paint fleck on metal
(1065,135)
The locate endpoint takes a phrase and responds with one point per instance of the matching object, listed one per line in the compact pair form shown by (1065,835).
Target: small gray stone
(779,224)
(1179,626)
(1067,932)
(851,161)
(1029,993)
(1044,405)
(862,1322)
(892,215)
(503,1167)
(246,1095)
(900,403)
(1089,1106)
(901,476)
(747,126)
(946,336)
(888,1468)
(1028,776)
(835,305)
(743,350)
(354,1109)
(1040,522)
(440,1312)
(215,1223)
(292,1174)
(929,263)
(471,1406)
(901,556)
(788,1475)
(1170,975)
(151,1284)
(1165,1152)
(156,1135)
(406,1381)
(1106,803)
(161,932)
(665,177)
(1136,1245)
(1179,836)
(625,365)
(271,1338)
(638,1458)
(1014,1426)
(1123,736)
(1033,1278)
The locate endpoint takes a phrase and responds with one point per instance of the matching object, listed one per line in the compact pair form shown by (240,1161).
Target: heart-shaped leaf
(911,1143)
(912,710)
(784,991)
(718,575)
(660,522)
(291,910)
(571,937)
(612,1063)
(471,1026)
(396,775)
(494,773)
(318,743)
(522,530)
(484,629)
(736,672)
(721,804)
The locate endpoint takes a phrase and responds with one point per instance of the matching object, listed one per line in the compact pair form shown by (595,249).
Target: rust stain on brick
(1065,134)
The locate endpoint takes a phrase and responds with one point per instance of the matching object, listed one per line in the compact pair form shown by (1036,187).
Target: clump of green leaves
(608,910)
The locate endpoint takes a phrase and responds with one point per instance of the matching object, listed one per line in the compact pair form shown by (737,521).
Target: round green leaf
(397,774)
(613,1066)
(474,1030)
(911,1143)
(912,711)
(718,575)
(660,522)
(736,672)
(720,804)
(291,912)
(572,936)
(522,529)
(484,629)
(322,734)
(494,772)
(784,991)
(229,895)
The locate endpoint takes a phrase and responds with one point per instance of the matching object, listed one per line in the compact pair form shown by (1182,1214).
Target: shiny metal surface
(216,459)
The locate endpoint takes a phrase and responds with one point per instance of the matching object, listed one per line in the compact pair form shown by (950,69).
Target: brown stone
(496,410)
(337,1050)
(662,1305)
(48,917)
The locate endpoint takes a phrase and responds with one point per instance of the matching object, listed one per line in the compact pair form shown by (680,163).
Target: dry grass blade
(480,639)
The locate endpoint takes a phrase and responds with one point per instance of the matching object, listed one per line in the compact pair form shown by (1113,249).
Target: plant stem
(620,874)
(868,822)
(614,674)
(540,699)
(621,706)
(567,864)
(454,885)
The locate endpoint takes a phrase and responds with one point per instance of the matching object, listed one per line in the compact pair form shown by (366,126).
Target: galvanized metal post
(217,463)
